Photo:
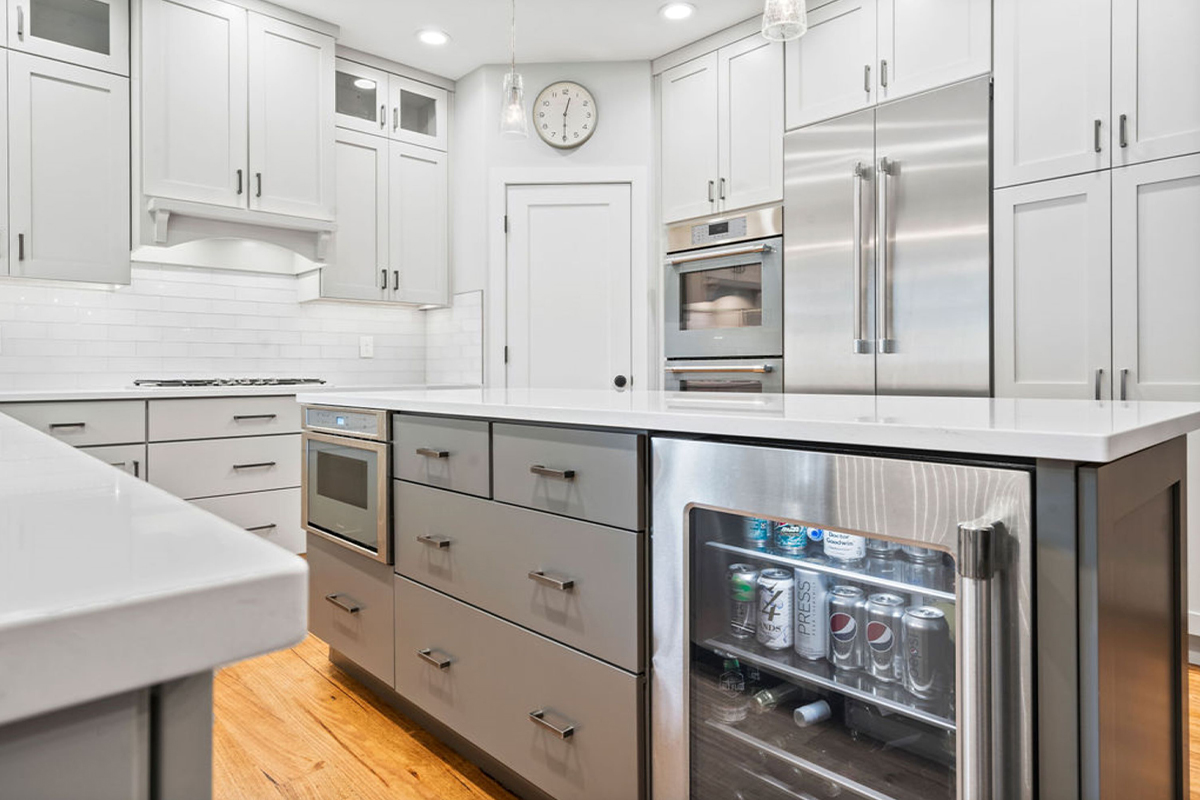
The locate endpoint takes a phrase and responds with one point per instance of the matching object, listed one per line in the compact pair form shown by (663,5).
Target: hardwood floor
(290,724)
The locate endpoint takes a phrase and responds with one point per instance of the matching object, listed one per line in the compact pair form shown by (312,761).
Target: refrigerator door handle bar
(861,345)
(976,568)
(886,344)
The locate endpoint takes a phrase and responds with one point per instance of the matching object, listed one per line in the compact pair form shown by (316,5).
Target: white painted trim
(394,67)
(642,287)
(707,45)
(287,15)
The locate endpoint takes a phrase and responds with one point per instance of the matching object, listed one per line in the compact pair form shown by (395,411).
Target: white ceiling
(547,30)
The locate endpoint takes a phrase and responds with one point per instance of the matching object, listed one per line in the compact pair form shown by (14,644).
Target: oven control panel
(719,231)
(344,420)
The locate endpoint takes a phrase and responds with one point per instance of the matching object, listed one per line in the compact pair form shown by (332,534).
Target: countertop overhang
(108,584)
(1070,430)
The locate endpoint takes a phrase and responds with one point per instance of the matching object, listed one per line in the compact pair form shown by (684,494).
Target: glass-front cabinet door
(90,33)
(361,98)
(418,113)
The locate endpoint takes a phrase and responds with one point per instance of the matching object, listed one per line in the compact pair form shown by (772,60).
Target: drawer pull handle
(427,656)
(268,527)
(439,542)
(539,718)
(547,472)
(349,606)
(244,417)
(57,426)
(255,465)
(562,584)
(429,452)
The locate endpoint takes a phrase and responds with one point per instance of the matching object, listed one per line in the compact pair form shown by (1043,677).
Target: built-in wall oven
(345,479)
(724,303)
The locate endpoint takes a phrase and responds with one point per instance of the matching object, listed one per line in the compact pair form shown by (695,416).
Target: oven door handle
(737,251)
(759,369)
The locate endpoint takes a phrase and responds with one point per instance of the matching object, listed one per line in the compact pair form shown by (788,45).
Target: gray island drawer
(496,675)
(443,452)
(592,475)
(484,553)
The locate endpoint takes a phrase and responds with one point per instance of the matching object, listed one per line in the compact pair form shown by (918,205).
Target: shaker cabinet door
(750,112)
(194,101)
(1156,280)
(90,33)
(68,171)
(831,69)
(361,98)
(690,146)
(932,43)
(418,210)
(358,269)
(418,113)
(1052,275)
(291,78)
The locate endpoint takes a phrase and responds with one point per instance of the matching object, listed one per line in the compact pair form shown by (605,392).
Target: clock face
(565,115)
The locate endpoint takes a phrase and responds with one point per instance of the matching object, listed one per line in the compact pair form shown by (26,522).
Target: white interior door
(750,94)
(689,139)
(359,268)
(568,286)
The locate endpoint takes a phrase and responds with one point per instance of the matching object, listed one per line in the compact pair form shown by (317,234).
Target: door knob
(620,381)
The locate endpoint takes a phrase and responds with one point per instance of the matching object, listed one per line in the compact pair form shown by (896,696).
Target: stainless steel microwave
(345,490)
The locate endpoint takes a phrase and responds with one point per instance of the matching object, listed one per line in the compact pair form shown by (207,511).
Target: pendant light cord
(513,69)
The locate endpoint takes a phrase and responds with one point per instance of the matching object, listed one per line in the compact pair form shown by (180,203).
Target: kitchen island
(1047,534)
(117,601)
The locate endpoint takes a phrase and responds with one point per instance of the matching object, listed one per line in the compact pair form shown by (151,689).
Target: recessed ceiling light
(364,83)
(434,37)
(677,11)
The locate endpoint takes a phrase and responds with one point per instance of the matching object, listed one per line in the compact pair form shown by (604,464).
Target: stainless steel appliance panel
(933,260)
(736,375)
(759,223)
(829,263)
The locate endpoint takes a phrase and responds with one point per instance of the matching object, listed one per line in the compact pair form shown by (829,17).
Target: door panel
(419,113)
(418,209)
(569,282)
(1156,280)
(932,43)
(751,120)
(361,98)
(291,74)
(1052,277)
(690,134)
(819,287)
(68,182)
(934,254)
(90,33)
(194,101)
(358,269)
(830,70)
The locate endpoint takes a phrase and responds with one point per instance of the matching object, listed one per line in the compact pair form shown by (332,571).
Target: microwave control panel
(719,231)
(352,423)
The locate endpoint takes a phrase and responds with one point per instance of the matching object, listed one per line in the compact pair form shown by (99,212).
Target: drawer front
(592,475)
(499,674)
(354,582)
(85,423)
(208,468)
(454,453)
(129,458)
(484,553)
(274,515)
(220,417)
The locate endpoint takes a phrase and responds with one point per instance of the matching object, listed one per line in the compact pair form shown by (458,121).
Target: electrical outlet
(366,347)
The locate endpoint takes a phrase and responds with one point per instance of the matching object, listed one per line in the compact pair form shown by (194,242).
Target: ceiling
(547,30)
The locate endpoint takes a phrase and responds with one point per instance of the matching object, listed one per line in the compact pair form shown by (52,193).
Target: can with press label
(812,615)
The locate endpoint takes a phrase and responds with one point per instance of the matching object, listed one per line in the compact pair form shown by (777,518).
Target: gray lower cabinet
(439,451)
(566,722)
(350,605)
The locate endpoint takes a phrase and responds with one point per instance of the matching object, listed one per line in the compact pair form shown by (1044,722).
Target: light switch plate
(366,347)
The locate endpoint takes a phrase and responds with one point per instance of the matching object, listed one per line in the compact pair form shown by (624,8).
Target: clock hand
(566,108)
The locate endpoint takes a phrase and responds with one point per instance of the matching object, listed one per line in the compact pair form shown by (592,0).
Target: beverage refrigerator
(855,627)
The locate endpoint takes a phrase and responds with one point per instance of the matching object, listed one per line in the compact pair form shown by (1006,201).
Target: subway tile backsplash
(182,322)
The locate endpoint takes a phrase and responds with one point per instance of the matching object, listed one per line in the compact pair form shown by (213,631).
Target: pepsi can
(812,615)
(743,588)
(926,568)
(775,609)
(791,539)
(847,627)
(885,612)
(845,546)
(928,657)
(757,533)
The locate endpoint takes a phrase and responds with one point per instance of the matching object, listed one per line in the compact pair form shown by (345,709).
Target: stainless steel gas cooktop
(175,383)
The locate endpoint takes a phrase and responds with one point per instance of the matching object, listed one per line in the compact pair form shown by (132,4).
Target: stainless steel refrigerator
(887,248)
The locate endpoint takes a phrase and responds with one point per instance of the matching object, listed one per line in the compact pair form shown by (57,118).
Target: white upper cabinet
(68,182)
(194,101)
(690,139)
(90,33)
(358,268)
(1052,89)
(291,78)
(931,43)
(419,225)
(361,98)
(1155,94)
(830,70)
(1156,280)
(418,113)
(750,111)
(1052,315)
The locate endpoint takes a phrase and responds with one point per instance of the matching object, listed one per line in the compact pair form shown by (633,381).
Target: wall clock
(565,115)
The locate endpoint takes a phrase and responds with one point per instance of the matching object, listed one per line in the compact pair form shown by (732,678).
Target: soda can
(885,612)
(812,615)
(847,627)
(791,539)
(775,609)
(845,546)
(757,533)
(928,657)
(743,588)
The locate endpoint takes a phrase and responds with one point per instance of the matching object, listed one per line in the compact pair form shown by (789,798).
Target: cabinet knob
(620,381)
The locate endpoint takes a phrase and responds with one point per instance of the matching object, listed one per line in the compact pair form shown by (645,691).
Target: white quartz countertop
(156,393)
(1073,430)
(108,583)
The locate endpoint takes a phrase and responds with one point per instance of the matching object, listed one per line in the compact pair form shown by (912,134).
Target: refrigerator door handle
(861,345)
(977,545)
(885,343)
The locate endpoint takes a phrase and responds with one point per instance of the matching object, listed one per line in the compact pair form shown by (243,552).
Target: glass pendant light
(513,120)
(784,20)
